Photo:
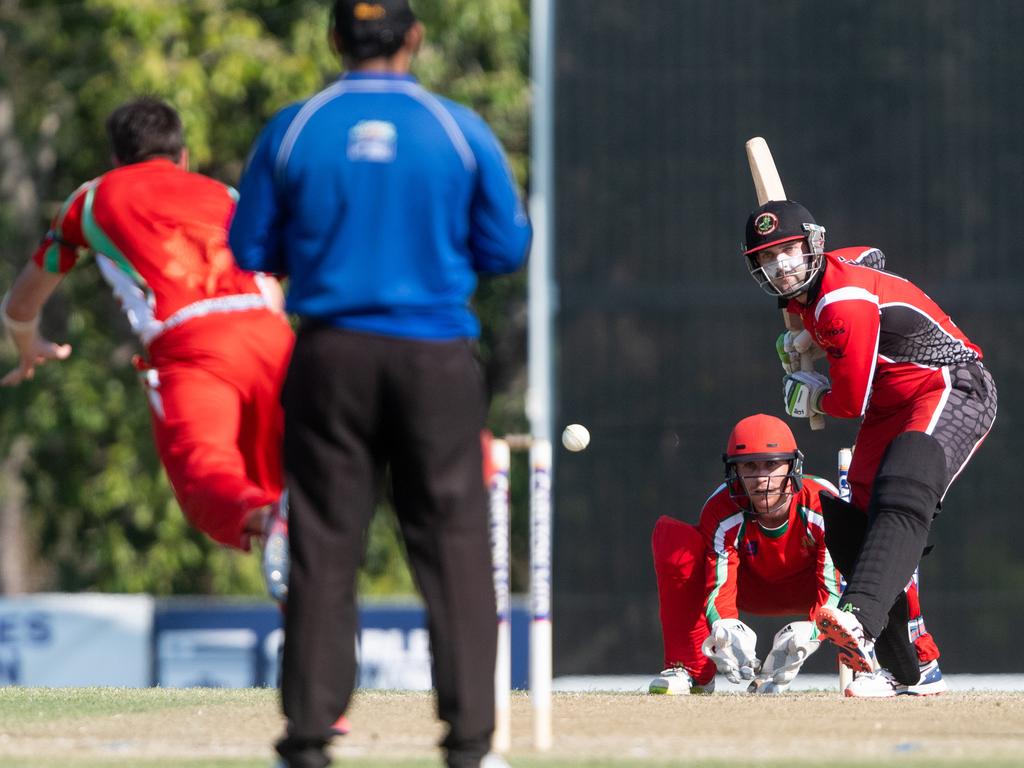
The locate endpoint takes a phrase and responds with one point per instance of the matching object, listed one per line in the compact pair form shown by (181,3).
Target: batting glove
(805,345)
(732,645)
(790,648)
(802,391)
(788,355)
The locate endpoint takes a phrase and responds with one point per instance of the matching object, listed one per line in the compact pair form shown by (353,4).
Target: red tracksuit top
(885,339)
(735,542)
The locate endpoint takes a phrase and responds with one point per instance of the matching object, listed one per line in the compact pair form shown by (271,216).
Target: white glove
(803,391)
(732,645)
(790,648)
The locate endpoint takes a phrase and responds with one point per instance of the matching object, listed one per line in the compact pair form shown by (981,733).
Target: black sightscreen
(899,125)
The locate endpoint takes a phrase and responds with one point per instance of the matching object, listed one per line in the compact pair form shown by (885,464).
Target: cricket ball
(575,437)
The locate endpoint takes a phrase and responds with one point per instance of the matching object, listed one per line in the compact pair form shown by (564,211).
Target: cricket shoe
(881,684)
(872,685)
(844,630)
(341,726)
(276,558)
(494,760)
(928,684)
(676,681)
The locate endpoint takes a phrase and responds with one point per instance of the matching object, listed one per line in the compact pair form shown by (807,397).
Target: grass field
(219,728)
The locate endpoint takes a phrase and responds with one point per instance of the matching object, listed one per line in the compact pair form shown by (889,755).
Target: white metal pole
(541,303)
(540,389)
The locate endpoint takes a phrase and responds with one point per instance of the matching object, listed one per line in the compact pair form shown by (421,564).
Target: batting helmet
(778,222)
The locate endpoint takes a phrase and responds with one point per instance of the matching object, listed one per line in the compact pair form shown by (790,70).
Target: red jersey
(886,340)
(160,236)
(738,548)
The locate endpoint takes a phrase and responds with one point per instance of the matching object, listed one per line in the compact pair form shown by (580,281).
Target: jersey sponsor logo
(749,548)
(832,336)
(766,223)
(372,141)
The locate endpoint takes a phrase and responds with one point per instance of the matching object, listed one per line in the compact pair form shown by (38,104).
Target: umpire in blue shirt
(381,202)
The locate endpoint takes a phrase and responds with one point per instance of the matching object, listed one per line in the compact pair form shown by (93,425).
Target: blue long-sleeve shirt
(381,202)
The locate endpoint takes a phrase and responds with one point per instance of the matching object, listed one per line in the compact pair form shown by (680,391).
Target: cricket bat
(768,185)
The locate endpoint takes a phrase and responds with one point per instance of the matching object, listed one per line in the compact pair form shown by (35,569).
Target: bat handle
(817,420)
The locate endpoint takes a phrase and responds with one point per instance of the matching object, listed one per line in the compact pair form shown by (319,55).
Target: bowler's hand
(40,350)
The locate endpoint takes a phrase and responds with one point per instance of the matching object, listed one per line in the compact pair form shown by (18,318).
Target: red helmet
(761,438)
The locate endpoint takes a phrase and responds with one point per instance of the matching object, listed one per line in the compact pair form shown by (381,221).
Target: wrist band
(16,326)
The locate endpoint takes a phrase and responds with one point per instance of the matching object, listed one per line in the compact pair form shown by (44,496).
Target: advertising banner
(76,640)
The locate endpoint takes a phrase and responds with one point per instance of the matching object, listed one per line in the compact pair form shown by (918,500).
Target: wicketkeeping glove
(790,648)
(803,391)
(732,645)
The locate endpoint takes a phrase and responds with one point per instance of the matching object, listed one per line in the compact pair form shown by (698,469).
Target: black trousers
(356,404)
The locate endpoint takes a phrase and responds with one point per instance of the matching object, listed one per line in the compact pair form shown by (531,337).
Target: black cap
(777,221)
(368,29)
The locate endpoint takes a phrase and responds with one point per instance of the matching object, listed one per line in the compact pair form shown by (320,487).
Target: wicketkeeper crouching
(759,547)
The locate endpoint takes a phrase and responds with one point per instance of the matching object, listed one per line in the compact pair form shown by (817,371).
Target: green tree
(82,478)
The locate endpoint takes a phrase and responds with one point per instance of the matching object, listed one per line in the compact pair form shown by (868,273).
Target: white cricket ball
(576,437)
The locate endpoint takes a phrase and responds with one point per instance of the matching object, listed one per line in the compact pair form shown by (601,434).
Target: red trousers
(680,567)
(214,385)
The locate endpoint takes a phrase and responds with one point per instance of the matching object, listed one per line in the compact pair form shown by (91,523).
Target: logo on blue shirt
(372,141)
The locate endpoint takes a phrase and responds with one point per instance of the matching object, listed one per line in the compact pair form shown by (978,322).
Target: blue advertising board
(219,643)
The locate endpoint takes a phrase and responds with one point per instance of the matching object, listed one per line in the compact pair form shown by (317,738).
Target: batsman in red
(216,340)
(759,547)
(899,363)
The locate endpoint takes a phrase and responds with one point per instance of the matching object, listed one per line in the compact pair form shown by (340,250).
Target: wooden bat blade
(768,185)
(767,182)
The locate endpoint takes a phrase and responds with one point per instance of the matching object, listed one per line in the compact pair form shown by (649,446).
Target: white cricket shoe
(872,685)
(676,681)
(844,630)
(881,684)
(928,684)
(494,760)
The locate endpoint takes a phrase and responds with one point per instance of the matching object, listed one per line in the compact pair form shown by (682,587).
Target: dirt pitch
(213,728)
